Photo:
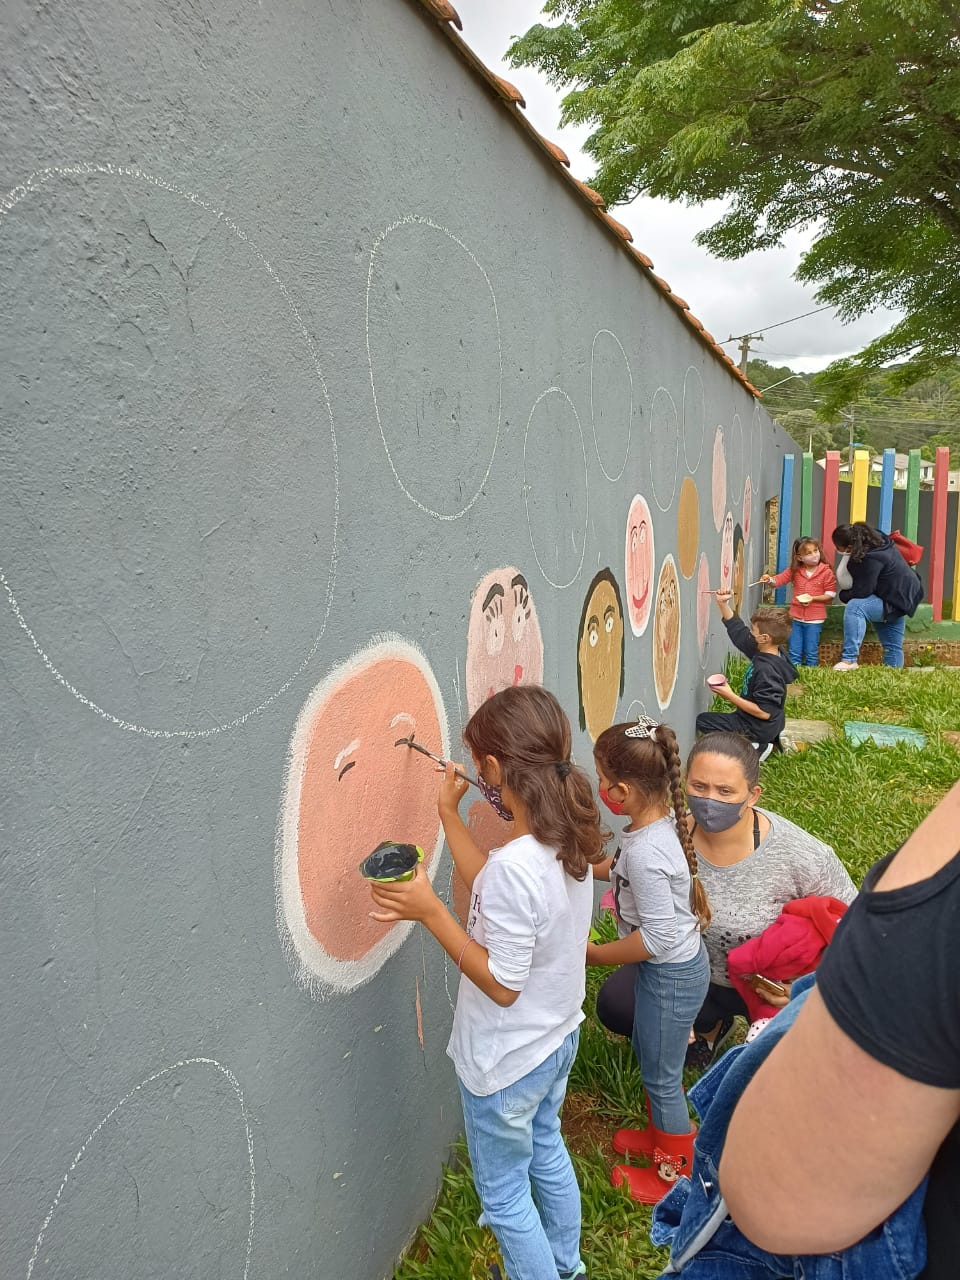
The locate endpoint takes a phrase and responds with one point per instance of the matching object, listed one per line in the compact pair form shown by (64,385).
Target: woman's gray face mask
(715,815)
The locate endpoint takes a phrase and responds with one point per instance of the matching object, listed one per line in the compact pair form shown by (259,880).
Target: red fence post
(831,499)
(938,532)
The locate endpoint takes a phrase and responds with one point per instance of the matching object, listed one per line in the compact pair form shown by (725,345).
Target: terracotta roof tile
(508,90)
(593,196)
(448,17)
(444,11)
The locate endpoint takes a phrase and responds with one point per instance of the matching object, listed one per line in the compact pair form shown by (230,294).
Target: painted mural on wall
(600,671)
(348,787)
(726,554)
(504,644)
(739,579)
(666,632)
(688,527)
(718,480)
(639,565)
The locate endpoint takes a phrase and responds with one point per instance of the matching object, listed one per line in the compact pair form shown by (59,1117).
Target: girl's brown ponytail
(667,742)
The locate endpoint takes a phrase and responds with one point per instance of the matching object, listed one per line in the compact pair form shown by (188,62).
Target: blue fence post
(784,513)
(886,490)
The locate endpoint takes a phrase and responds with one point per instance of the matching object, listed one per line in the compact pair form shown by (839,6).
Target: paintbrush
(759,583)
(409,742)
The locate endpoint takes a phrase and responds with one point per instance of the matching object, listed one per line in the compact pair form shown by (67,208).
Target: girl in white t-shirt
(661,911)
(516,1026)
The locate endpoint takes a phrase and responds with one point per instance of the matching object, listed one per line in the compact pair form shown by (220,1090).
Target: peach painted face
(504,644)
(703,606)
(666,632)
(726,554)
(600,656)
(738,580)
(747,507)
(719,483)
(347,789)
(638,565)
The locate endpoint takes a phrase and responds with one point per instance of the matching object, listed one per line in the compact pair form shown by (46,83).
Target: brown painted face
(600,655)
(737,568)
(666,633)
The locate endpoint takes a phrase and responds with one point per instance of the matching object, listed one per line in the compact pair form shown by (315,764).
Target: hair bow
(646,727)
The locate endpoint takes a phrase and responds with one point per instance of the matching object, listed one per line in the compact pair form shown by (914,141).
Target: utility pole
(745,340)
(851,419)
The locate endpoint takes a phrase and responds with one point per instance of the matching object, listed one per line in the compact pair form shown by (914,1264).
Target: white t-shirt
(651,892)
(533,920)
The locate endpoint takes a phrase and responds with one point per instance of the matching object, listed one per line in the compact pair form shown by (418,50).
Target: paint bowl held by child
(391,860)
(717,681)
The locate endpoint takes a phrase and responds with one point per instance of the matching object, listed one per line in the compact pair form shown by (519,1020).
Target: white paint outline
(676,451)
(157,1075)
(313,968)
(593,420)
(561,586)
(758,434)
(683,419)
(703,649)
(417,220)
(718,522)
(747,507)
(9,202)
(737,425)
(677,577)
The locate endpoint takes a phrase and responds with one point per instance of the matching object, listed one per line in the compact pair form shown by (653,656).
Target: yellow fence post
(858,495)
(955,611)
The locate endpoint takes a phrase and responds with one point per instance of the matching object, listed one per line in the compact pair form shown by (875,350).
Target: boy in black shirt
(759,713)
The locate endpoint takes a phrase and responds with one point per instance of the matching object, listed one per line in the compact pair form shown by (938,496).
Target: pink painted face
(719,481)
(347,789)
(504,644)
(638,565)
(726,554)
(704,600)
(747,507)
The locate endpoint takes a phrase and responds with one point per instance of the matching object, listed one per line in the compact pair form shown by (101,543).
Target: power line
(755,334)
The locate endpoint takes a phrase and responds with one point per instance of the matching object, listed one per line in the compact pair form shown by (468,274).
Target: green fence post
(911,516)
(806,496)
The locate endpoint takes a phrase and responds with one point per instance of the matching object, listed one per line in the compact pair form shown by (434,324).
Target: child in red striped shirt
(814,586)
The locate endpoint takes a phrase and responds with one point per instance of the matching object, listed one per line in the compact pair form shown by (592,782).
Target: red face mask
(613,805)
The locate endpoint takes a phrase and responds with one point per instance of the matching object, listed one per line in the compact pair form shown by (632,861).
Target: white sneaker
(845,666)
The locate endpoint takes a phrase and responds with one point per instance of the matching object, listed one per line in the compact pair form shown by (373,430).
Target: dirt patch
(585,1129)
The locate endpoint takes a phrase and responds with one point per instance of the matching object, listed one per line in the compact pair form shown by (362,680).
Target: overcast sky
(729,297)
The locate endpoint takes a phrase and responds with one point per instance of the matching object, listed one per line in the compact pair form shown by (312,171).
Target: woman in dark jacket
(885,592)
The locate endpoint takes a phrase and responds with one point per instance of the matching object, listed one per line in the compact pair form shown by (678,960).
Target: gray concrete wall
(302,340)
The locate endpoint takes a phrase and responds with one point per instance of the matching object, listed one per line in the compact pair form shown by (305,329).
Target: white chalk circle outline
(415,219)
(593,420)
(9,202)
(703,419)
(718,508)
(158,1075)
(676,449)
(561,586)
(704,646)
(737,426)
(757,449)
(314,968)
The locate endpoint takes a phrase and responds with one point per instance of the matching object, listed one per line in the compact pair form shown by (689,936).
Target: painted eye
(634,539)
(643,533)
(593,636)
(519,622)
(495,634)
(608,625)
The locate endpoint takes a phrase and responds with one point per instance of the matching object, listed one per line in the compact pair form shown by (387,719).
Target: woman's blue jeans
(804,649)
(667,999)
(856,615)
(522,1170)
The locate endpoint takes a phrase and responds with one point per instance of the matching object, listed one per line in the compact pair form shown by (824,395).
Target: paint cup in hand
(390,861)
(804,598)
(716,682)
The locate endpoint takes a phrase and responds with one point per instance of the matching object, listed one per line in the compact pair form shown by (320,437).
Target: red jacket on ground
(787,949)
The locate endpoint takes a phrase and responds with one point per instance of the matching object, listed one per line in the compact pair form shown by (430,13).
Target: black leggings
(615,1004)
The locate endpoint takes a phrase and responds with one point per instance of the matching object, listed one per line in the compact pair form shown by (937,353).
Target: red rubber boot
(637,1142)
(672,1156)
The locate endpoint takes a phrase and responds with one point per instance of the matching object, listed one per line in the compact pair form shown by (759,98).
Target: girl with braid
(661,910)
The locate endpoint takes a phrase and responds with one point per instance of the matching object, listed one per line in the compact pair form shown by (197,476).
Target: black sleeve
(865,576)
(890,978)
(767,690)
(741,635)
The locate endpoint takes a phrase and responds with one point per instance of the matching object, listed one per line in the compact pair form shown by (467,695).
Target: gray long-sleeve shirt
(651,890)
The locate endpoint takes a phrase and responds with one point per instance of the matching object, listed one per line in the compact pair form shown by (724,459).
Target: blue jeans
(667,999)
(804,647)
(515,1146)
(856,615)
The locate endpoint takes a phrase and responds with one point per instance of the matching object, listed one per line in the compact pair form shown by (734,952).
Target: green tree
(837,115)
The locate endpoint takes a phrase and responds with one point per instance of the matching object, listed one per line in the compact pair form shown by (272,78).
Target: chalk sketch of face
(504,644)
(719,481)
(666,633)
(738,576)
(638,565)
(704,601)
(688,527)
(600,654)
(747,507)
(347,789)
(726,554)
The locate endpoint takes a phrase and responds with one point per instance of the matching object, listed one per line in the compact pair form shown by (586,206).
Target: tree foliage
(840,116)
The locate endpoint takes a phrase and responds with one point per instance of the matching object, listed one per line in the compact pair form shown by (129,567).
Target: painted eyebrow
(403,717)
(609,610)
(495,590)
(593,618)
(520,581)
(348,750)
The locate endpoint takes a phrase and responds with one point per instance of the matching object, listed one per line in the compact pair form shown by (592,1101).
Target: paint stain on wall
(347,789)
(600,654)
(666,633)
(504,643)
(639,565)
(688,528)
(704,599)
(738,568)
(719,479)
(726,554)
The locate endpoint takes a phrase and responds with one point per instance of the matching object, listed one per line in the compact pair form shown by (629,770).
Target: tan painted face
(666,633)
(737,568)
(600,656)
(688,527)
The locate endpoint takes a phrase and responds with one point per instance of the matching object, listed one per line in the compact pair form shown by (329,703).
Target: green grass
(862,800)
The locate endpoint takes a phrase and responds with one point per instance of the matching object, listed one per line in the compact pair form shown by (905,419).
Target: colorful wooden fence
(887,477)
(784,513)
(938,540)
